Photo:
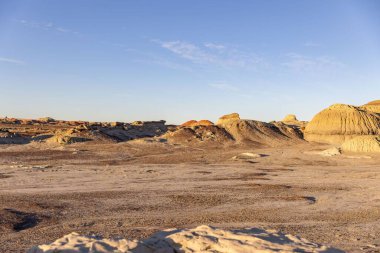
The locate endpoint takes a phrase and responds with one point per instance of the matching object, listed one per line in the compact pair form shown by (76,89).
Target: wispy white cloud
(205,54)
(302,63)
(311,44)
(48,26)
(224,87)
(165,63)
(215,46)
(10,60)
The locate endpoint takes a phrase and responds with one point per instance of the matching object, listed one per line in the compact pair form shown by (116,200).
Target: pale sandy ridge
(199,239)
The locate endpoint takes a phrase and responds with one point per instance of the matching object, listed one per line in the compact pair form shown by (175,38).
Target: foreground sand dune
(199,239)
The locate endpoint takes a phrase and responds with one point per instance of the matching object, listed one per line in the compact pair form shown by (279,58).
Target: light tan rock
(46,120)
(228,117)
(200,239)
(341,122)
(290,118)
(365,144)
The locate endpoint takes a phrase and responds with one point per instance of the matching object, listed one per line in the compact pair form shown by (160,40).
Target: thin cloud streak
(302,63)
(311,44)
(224,87)
(206,55)
(10,60)
(215,46)
(48,26)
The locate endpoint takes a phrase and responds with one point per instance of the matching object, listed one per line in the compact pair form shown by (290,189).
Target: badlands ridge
(349,128)
(343,129)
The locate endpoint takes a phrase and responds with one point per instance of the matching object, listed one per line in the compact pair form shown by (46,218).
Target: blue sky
(105,60)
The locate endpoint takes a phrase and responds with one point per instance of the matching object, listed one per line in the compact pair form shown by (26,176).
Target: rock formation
(199,134)
(257,132)
(193,123)
(364,144)
(340,122)
(227,118)
(201,239)
(12,138)
(290,118)
(46,120)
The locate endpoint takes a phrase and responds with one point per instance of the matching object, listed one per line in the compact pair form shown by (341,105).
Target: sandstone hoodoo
(290,118)
(341,122)
(373,106)
(363,144)
(257,132)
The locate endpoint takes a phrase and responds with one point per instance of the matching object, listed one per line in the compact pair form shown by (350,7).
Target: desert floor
(133,189)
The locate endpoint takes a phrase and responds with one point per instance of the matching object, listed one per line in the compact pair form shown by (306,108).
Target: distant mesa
(46,120)
(341,122)
(362,144)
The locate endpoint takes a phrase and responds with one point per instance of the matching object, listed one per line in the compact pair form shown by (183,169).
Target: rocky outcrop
(200,239)
(341,122)
(227,118)
(193,123)
(199,135)
(363,144)
(290,118)
(46,120)
(7,137)
(257,132)
(135,130)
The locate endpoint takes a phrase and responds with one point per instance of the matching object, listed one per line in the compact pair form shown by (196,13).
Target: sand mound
(192,123)
(370,144)
(340,122)
(262,133)
(198,134)
(373,106)
(200,239)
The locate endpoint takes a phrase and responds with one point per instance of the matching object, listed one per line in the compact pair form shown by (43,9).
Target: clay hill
(260,133)
(339,123)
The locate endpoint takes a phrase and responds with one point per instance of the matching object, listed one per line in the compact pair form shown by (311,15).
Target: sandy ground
(134,189)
